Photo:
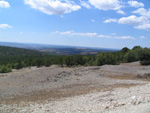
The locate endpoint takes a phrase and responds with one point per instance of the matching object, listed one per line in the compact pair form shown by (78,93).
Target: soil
(120,88)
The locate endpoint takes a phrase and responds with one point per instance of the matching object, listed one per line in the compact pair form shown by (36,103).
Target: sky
(88,23)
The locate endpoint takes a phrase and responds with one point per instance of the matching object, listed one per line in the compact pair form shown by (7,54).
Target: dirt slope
(97,89)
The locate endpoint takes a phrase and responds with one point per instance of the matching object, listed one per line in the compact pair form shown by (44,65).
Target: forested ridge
(17,58)
(13,51)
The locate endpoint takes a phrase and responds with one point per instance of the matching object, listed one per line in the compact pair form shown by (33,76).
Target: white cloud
(131,20)
(139,22)
(4,4)
(143,12)
(106,4)
(116,37)
(104,36)
(135,4)
(21,32)
(121,12)
(57,7)
(4,26)
(112,36)
(124,37)
(85,4)
(72,33)
(142,37)
(143,26)
(110,20)
(93,20)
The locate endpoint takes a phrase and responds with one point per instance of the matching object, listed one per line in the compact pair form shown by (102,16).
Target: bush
(145,57)
(145,62)
(5,69)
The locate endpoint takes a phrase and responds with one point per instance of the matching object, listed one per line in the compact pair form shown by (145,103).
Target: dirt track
(81,89)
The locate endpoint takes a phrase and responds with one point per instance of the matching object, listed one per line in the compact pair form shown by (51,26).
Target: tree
(145,57)
(19,65)
(130,57)
(136,47)
(125,50)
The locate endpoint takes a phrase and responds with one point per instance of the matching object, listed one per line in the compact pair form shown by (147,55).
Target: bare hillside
(99,89)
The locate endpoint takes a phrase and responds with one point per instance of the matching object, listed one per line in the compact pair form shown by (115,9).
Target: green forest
(17,58)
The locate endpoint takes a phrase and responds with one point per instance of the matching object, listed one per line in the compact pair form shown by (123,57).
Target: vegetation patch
(16,58)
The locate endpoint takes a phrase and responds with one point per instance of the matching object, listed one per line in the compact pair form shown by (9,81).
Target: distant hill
(73,51)
(13,51)
(58,49)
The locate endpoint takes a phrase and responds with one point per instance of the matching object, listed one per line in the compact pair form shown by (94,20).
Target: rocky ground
(123,88)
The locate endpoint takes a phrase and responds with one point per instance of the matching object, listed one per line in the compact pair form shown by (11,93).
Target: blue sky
(91,23)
